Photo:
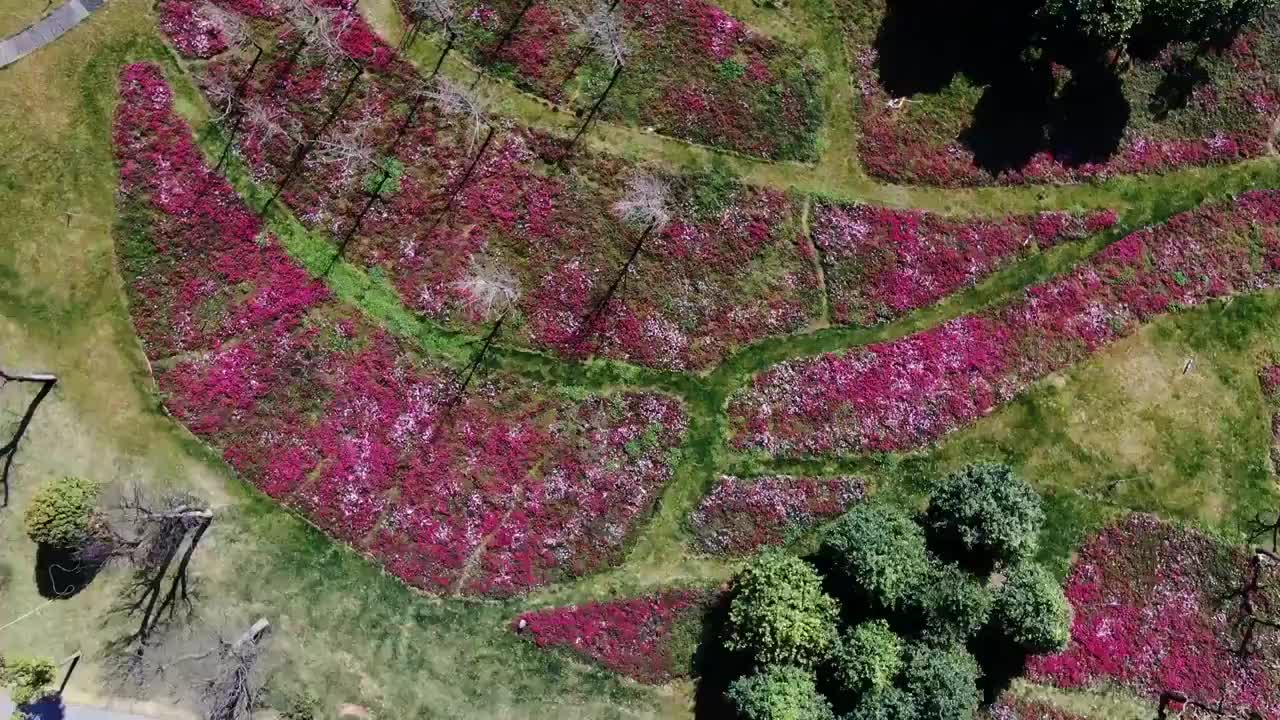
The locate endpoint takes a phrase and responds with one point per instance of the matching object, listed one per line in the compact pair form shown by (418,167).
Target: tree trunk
(453,194)
(617,71)
(447,47)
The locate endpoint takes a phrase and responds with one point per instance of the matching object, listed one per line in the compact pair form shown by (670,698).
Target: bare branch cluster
(350,149)
(490,287)
(605,33)
(233,27)
(645,203)
(318,27)
(272,122)
(468,106)
(438,12)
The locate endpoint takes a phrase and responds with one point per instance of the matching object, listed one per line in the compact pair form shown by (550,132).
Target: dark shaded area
(49,708)
(1001,661)
(714,666)
(60,573)
(1009,124)
(1090,117)
(1176,87)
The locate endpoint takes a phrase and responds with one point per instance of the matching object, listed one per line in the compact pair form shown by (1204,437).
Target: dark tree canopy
(994,515)
(1032,610)
(955,605)
(1110,24)
(888,704)
(869,658)
(779,692)
(779,613)
(881,550)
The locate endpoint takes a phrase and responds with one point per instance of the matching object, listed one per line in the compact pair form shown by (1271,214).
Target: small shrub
(28,679)
(869,659)
(1032,610)
(782,692)
(61,513)
(943,682)
(779,613)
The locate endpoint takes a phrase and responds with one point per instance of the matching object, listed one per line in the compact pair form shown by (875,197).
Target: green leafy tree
(881,550)
(992,513)
(61,513)
(954,604)
(1106,23)
(887,704)
(943,682)
(1032,610)
(779,612)
(779,692)
(28,679)
(869,658)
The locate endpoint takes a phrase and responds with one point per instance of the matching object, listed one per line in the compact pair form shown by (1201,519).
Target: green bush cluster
(27,679)
(912,594)
(1111,23)
(61,513)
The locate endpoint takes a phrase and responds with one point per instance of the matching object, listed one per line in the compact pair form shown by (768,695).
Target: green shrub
(781,692)
(992,513)
(869,658)
(954,604)
(61,513)
(1032,611)
(888,704)
(881,550)
(28,679)
(779,612)
(943,682)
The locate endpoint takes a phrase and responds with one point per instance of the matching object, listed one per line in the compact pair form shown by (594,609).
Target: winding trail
(49,28)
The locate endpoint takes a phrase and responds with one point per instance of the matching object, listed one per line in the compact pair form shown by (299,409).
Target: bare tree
(492,293)
(235,675)
(9,449)
(644,206)
(606,36)
(471,110)
(349,150)
(149,532)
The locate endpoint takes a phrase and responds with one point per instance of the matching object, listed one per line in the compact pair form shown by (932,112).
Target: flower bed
(1016,709)
(908,392)
(881,263)
(1154,611)
(1183,107)
(731,267)
(508,487)
(742,515)
(693,71)
(649,638)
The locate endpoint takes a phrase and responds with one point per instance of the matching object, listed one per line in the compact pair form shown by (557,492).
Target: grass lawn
(18,14)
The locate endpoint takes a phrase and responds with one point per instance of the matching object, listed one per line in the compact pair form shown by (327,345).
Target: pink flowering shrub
(640,638)
(881,263)
(908,392)
(693,71)
(741,515)
(504,489)
(1154,610)
(1227,117)
(715,279)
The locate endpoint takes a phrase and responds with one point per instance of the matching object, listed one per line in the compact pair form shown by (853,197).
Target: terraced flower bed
(744,514)
(908,392)
(1156,608)
(730,266)
(650,638)
(943,101)
(881,263)
(692,70)
(505,487)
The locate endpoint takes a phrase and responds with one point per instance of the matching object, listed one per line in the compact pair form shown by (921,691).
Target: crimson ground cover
(512,487)
(945,102)
(1155,610)
(908,392)
(881,263)
(650,638)
(693,71)
(741,515)
(731,267)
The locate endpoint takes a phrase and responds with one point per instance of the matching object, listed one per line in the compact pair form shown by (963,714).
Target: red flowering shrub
(1227,116)
(693,71)
(907,392)
(741,515)
(510,487)
(1154,609)
(640,638)
(881,263)
(718,276)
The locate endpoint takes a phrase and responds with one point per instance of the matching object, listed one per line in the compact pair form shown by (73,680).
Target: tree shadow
(923,44)
(716,667)
(47,708)
(60,573)
(1176,87)
(1090,116)
(1001,660)
(1009,123)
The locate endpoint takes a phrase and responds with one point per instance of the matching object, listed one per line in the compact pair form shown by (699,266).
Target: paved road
(70,14)
(69,712)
